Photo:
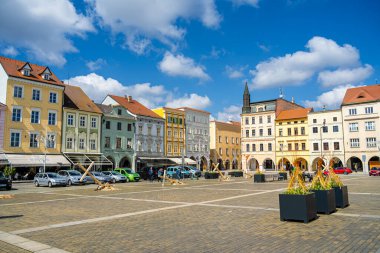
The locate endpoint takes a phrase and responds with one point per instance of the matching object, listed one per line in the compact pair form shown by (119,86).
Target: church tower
(246,100)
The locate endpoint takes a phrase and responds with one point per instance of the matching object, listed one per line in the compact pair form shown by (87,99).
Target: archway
(268,164)
(374,162)
(221,165)
(317,162)
(211,165)
(235,164)
(203,163)
(355,163)
(284,163)
(252,164)
(335,162)
(302,163)
(193,158)
(125,163)
(227,164)
(109,166)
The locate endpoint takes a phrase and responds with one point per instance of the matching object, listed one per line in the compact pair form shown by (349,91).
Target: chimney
(129,98)
(293,100)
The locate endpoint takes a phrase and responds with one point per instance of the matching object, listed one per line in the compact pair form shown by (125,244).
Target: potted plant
(297,202)
(258,177)
(341,191)
(211,175)
(324,194)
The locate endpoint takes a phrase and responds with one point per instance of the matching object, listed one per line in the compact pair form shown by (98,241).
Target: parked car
(5,182)
(116,176)
(144,172)
(193,171)
(374,171)
(172,172)
(72,177)
(339,170)
(129,174)
(99,176)
(49,179)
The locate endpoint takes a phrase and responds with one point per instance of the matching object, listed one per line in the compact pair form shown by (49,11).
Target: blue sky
(199,53)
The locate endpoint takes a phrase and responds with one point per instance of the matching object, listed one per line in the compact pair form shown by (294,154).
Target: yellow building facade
(292,145)
(174,131)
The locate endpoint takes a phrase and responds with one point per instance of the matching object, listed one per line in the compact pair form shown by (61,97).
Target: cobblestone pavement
(201,216)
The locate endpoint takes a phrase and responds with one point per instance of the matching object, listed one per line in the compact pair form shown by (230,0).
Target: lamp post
(322,128)
(45,140)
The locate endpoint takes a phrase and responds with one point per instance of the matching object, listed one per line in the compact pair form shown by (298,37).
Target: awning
(190,161)
(156,161)
(179,160)
(3,159)
(18,160)
(87,159)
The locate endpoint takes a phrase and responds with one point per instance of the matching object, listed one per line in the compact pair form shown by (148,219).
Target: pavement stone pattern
(201,216)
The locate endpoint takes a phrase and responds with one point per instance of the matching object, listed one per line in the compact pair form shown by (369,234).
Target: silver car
(72,177)
(49,179)
(100,176)
(116,176)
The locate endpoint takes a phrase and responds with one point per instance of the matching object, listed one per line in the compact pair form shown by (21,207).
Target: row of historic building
(44,122)
(276,133)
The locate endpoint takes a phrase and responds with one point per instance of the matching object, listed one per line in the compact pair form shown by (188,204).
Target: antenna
(281,95)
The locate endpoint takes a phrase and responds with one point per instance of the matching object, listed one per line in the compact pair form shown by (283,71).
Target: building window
(315,146)
(158,131)
(69,143)
(314,121)
(33,140)
(26,72)
(289,147)
(237,140)
(289,131)
(325,146)
(296,131)
(50,142)
(253,132)
(371,142)
(261,132)
(253,120)
(118,142)
(325,129)
(352,111)
(336,145)
(260,120)
(118,111)
(94,122)
(174,132)
(15,139)
(269,119)
(36,95)
(247,147)
(16,114)
(315,130)
(246,121)
(296,146)
(53,97)
(280,132)
(227,139)
(149,130)
(370,126)
(52,118)
(93,144)
(335,129)
(269,131)
(70,120)
(82,121)
(354,127)
(302,130)
(246,134)
(129,142)
(81,143)
(253,147)
(269,146)
(335,119)
(17,91)
(354,143)
(129,129)
(233,140)
(140,129)
(303,146)
(227,152)
(46,76)
(170,133)
(108,124)
(35,117)
(107,142)
(170,149)
(261,147)
(119,126)
(369,110)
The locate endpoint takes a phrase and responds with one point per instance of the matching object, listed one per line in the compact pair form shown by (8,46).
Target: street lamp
(322,128)
(45,140)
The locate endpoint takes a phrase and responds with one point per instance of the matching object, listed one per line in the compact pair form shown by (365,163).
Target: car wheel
(113,180)
(36,184)
(127,180)
(69,183)
(50,184)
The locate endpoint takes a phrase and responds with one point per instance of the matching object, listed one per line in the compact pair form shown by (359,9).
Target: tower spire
(246,100)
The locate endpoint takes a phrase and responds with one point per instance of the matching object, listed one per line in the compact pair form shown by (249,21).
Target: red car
(374,171)
(339,170)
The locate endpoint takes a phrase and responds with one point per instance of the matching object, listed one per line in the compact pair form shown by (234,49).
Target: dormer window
(26,69)
(26,72)
(46,76)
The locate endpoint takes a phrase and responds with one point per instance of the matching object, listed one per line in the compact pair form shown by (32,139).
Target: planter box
(325,200)
(341,196)
(284,175)
(209,175)
(235,173)
(298,207)
(259,178)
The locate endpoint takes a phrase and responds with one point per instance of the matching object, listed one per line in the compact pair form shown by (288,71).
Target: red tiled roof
(294,114)
(135,107)
(362,94)
(192,109)
(80,99)
(12,68)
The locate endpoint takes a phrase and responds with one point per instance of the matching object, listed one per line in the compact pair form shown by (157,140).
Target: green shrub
(9,171)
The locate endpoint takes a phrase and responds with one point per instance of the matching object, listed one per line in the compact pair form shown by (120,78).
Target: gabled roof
(294,114)
(2,105)
(46,70)
(13,68)
(362,94)
(76,98)
(192,109)
(106,109)
(135,107)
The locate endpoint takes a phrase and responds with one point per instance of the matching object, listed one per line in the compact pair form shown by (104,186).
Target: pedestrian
(178,174)
(356,168)
(150,174)
(160,175)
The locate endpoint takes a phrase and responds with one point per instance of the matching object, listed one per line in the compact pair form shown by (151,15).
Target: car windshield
(96,173)
(115,173)
(52,175)
(74,173)
(129,171)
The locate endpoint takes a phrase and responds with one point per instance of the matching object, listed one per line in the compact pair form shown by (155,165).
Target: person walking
(150,174)
(160,174)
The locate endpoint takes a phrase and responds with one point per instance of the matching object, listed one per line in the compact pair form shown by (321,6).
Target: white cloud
(214,54)
(234,73)
(142,21)
(43,28)
(344,76)
(193,101)
(95,65)
(10,51)
(231,113)
(179,65)
(254,3)
(296,68)
(264,48)
(331,99)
